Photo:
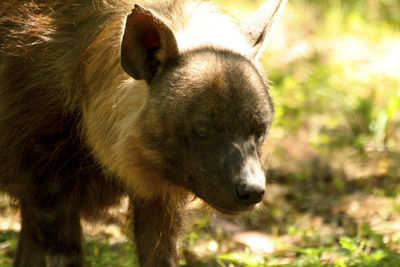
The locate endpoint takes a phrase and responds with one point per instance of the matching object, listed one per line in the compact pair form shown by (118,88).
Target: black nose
(249,194)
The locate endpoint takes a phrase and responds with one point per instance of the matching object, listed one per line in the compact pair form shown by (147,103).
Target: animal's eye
(261,134)
(260,138)
(202,131)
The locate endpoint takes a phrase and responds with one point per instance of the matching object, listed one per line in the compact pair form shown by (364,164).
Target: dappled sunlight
(9,218)
(258,243)
(362,59)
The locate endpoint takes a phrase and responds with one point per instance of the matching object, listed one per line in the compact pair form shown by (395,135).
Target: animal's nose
(249,194)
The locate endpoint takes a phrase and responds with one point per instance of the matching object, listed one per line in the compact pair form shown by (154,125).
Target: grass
(102,253)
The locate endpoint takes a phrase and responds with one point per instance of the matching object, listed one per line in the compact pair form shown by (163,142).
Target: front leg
(157,228)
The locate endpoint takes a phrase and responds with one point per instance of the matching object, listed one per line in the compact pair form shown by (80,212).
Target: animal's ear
(259,25)
(147,44)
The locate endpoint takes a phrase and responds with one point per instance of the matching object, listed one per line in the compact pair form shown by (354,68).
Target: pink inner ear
(145,31)
(152,39)
(144,36)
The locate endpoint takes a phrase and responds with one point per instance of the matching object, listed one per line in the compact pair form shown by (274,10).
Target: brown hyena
(157,100)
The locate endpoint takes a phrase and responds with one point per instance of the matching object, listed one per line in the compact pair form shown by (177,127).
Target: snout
(247,177)
(250,188)
(249,194)
(237,182)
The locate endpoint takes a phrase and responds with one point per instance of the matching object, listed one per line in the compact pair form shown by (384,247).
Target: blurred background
(333,151)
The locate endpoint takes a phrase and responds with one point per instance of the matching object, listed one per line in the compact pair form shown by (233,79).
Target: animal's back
(46,38)
(198,24)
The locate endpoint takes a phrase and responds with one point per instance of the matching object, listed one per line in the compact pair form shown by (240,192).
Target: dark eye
(260,134)
(202,131)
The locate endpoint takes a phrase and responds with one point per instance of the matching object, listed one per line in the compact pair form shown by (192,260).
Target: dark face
(212,117)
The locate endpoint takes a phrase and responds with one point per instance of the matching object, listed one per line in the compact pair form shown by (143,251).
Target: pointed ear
(147,44)
(259,25)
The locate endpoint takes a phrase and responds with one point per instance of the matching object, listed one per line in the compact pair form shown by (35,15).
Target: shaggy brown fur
(186,113)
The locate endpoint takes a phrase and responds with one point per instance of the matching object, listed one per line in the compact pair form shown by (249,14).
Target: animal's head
(208,110)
